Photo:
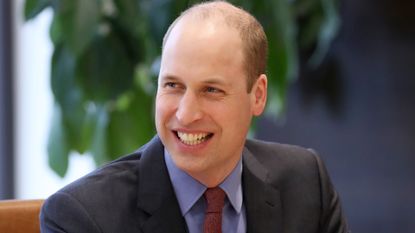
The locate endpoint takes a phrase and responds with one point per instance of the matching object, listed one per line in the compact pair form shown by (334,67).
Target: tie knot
(215,199)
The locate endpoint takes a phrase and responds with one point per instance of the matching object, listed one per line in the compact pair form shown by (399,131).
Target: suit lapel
(156,197)
(158,202)
(262,201)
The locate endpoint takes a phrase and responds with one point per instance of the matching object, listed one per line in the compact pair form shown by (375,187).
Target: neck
(215,177)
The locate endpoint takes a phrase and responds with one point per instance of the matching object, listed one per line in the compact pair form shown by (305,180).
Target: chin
(188,163)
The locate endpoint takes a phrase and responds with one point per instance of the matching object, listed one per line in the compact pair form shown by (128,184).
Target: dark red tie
(215,199)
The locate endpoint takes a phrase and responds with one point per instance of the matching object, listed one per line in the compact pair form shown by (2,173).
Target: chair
(20,216)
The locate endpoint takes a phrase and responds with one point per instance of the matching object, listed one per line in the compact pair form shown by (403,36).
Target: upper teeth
(192,139)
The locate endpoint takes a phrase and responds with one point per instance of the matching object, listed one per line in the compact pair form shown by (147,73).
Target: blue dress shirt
(189,193)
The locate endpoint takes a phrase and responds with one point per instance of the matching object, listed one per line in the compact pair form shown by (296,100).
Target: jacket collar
(262,201)
(156,196)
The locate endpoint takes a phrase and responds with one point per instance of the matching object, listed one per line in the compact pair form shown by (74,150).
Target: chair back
(20,216)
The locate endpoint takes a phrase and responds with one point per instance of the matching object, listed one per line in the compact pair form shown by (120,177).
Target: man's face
(203,110)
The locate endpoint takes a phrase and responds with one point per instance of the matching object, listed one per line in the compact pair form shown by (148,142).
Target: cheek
(232,118)
(236,117)
(161,111)
(238,109)
(164,105)
(165,110)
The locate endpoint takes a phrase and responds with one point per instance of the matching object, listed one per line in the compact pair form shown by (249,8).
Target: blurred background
(357,109)
(360,114)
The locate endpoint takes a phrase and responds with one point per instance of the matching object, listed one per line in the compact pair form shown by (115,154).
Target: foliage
(106,60)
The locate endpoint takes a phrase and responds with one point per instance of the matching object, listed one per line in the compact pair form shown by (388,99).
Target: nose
(189,109)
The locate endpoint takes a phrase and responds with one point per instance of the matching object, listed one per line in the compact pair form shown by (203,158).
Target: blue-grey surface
(362,117)
(6,102)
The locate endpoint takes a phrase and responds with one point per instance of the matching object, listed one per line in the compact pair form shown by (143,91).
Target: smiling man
(204,105)
(200,173)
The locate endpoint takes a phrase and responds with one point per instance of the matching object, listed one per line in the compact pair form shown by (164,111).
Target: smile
(193,139)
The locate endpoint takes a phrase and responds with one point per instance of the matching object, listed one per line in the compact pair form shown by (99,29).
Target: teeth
(192,139)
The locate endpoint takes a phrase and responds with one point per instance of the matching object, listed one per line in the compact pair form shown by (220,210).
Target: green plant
(106,59)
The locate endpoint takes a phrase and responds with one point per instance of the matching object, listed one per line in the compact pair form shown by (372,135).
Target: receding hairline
(218,10)
(251,33)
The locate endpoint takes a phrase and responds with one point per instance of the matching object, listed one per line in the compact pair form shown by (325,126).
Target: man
(212,82)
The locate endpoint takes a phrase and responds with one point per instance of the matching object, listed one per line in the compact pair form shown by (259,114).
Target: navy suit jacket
(286,189)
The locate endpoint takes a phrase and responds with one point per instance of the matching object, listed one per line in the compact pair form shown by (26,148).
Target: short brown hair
(254,40)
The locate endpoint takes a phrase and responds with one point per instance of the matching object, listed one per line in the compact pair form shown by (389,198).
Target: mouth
(193,139)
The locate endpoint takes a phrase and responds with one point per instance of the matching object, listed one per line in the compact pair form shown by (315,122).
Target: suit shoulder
(83,205)
(116,179)
(120,174)
(284,158)
(287,165)
(278,151)
(101,199)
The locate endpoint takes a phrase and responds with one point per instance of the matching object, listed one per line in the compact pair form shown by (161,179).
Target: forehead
(202,47)
(212,32)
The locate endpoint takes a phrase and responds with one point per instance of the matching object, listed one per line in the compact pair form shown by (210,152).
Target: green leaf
(87,127)
(305,8)
(131,28)
(80,21)
(328,31)
(159,17)
(145,78)
(99,142)
(105,70)
(283,60)
(131,126)
(56,33)
(128,17)
(69,97)
(62,75)
(286,32)
(310,31)
(34,7)
(57,148)
(150,27)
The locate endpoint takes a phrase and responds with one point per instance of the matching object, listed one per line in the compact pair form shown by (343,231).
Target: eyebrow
(211,81)
(216,81)
(167,78)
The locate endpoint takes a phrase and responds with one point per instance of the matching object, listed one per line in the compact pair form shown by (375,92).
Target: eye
(170,85)
(212,90)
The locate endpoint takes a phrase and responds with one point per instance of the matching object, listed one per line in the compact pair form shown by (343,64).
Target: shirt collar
(188,190)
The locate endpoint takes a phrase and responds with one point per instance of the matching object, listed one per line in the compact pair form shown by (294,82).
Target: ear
(259,95)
